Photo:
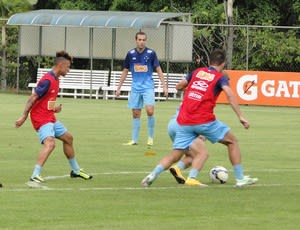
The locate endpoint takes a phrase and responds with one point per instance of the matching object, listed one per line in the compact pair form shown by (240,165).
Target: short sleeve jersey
(141,66)
(205,85)
(42,111)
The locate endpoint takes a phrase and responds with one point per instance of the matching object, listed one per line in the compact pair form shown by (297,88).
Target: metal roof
(103,19)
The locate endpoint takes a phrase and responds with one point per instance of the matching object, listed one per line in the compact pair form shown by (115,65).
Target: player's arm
(234,105)
(32,99)
(122,79)
(40,91)
(184,82)
(162,80)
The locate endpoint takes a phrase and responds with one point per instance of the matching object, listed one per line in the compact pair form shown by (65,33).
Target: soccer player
(196,116)
(141,61)
(42,108)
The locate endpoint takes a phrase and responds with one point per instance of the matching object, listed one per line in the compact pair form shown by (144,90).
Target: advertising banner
(264,88)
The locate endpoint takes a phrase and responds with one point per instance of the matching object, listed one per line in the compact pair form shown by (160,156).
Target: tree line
(274,48)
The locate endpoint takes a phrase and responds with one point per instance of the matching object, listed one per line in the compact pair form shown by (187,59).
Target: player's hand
(165,91)
(118,92)
(244,122)
(20,121)
(57,109)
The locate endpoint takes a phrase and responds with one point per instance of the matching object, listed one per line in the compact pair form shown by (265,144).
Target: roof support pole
(91,37)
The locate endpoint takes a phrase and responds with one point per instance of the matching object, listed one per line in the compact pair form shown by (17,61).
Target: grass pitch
(114,199)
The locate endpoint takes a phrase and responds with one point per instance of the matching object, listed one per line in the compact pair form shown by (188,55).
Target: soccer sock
(193,173)
(136,123)
(181,165)
(74,165)
(238,171)
(151,124)
(36,171)
(158,170)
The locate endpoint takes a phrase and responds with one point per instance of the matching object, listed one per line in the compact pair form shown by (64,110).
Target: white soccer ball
(218,174)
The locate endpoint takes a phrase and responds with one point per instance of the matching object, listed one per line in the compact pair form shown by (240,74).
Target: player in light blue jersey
(141,62)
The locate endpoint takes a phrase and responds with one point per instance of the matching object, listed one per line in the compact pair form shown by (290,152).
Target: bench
(171,79)
(78,83)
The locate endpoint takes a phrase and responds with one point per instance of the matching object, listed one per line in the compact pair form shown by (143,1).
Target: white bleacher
(171,80)
(78,83)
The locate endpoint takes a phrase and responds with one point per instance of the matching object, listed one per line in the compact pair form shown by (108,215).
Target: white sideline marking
(45,188)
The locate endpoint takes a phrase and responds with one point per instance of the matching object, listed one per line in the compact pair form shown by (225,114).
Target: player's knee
(49,143)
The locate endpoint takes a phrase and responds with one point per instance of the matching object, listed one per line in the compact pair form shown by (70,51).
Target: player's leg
(163,165)
(184,163)
(46,135)
(175,170)
(135,104)
(235,158)
(149,101)
(66,137)
(200,156)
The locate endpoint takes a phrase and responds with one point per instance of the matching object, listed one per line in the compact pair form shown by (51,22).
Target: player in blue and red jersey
(41,106)
(141,62)
(196,117)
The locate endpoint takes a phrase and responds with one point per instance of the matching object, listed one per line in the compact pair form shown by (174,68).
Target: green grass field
(114,198)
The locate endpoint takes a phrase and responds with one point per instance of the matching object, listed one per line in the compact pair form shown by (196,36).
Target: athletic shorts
(214,131)
(50,129)
(137,100)
(172,128)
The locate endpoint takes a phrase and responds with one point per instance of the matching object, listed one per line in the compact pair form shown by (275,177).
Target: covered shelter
(103,34)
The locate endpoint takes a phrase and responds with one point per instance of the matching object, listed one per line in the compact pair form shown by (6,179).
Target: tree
(7,9)
(229,49)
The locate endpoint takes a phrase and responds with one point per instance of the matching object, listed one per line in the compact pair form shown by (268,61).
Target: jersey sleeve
(42,88)
(155,60)
(188,77)
(126,64)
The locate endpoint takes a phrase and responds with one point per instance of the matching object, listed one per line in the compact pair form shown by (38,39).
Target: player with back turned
(196,117)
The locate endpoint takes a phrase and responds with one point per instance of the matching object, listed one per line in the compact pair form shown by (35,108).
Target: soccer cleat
(147,181)
(37,179)
(194,182)
(150,141)
(130,143)
(81,174)
(175,171)
(1,185)
(247,180)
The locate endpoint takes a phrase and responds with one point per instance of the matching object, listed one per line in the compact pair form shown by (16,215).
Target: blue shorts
(50,129)
(214,131)
(172,128)
(138,99)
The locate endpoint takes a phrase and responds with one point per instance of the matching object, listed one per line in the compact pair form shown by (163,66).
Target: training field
(114,199)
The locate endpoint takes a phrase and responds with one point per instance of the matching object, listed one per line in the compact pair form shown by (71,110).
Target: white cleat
(147,181)
(247,180)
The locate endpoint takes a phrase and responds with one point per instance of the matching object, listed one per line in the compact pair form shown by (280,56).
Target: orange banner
(264,88)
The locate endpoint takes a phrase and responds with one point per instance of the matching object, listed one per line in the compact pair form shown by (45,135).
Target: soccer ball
(218,174)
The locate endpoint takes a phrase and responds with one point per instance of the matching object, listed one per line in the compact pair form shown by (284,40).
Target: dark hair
(217,57)
(62,55)
(140,33)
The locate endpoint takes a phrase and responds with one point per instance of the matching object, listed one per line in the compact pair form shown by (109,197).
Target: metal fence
(262,48)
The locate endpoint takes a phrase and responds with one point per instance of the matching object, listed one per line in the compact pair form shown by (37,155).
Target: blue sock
(158,170)
(193,173)
(238,171)
(36,171)
(136,123)
(181,165)
(74,165)
(151,124)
